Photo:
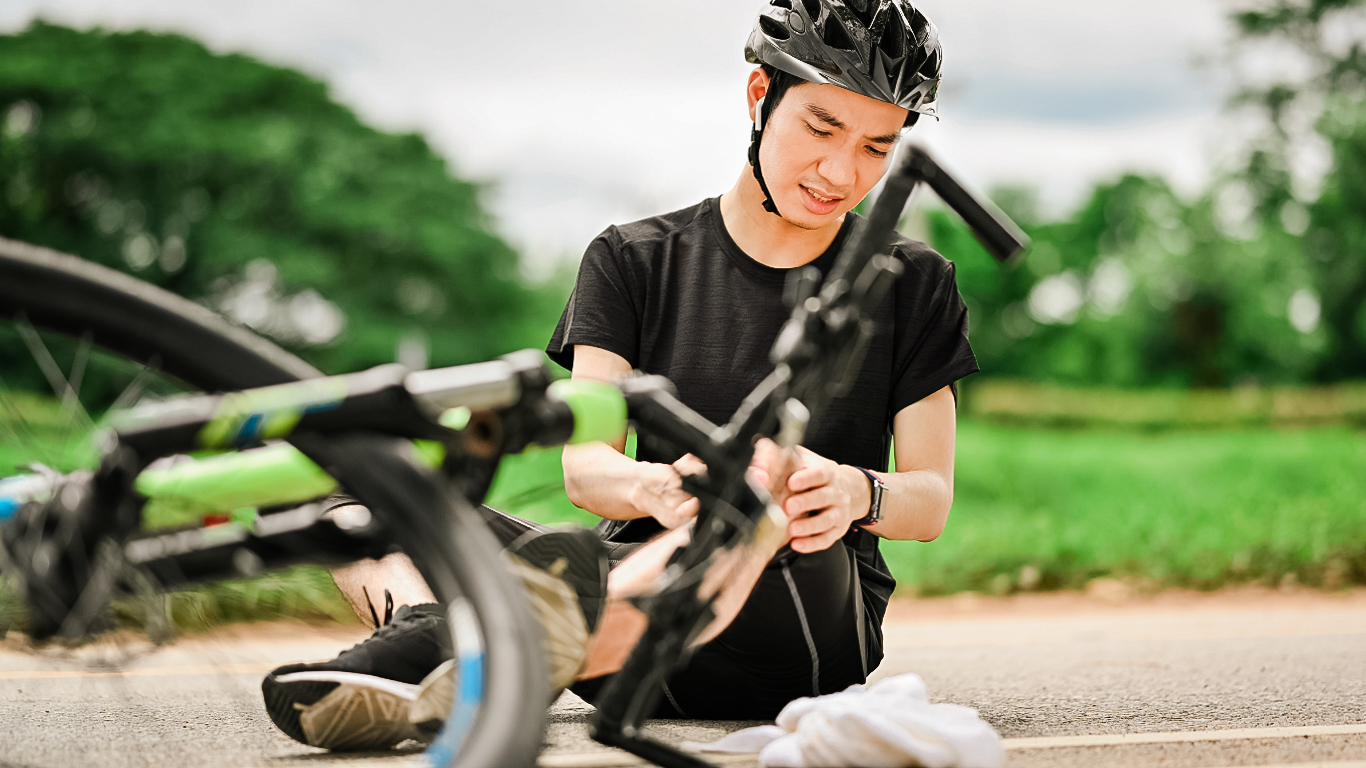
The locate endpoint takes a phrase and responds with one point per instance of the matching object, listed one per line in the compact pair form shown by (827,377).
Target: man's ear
(756,89)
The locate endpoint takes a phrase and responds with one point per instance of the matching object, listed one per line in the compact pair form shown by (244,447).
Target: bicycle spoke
(134,390)
(48,365)
(79,364)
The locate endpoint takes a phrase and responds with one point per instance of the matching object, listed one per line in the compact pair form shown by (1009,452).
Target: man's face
(823,149)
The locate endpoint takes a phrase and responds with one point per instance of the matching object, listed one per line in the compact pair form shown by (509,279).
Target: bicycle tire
(140,321)
(68,295)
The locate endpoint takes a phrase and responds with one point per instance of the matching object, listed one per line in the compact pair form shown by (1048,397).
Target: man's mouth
(819,197)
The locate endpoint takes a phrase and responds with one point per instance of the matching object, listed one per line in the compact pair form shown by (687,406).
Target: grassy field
(1046,509)
(1035,508)
(1191,509)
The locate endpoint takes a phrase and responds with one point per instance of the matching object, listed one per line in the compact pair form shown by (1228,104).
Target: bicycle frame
(466,413)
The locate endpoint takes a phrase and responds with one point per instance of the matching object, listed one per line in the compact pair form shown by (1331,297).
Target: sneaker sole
(341,710)
(435,697)
(584,569)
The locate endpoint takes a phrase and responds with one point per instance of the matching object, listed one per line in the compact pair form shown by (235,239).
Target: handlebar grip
(599,409)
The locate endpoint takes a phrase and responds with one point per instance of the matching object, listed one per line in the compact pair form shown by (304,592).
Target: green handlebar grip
(599,409)
(275,474)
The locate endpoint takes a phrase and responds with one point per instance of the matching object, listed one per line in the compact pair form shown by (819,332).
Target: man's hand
(771,466)
(824,499)
(660,492)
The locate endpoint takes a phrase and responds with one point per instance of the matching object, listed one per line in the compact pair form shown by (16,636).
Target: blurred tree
(1336,243)
(1312,109)
(246,187)
(1263,278)
(1138,288)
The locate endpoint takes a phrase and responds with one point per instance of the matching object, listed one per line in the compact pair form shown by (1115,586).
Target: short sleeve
(932,349)
(603,310)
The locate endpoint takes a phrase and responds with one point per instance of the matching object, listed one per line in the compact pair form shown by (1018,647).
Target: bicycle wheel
(127,339)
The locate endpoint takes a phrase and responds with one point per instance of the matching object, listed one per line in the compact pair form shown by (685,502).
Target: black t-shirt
(675,296)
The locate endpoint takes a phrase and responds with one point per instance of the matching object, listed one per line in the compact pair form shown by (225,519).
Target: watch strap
(875,499)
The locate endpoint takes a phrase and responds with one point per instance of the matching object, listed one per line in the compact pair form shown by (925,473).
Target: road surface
(1237,678)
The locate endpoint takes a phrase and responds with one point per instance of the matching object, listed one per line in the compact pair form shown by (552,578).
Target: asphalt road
(1180,681)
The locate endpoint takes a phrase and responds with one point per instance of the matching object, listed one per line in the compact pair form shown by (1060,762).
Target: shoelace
(388,608)
(389,625)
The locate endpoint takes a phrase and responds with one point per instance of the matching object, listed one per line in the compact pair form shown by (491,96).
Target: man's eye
(879,154)
(816,133)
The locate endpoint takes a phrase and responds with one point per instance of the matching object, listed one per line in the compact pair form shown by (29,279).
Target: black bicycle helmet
(884,49)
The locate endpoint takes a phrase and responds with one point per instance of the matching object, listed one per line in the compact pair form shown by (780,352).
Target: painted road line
(1348,764)
(1175,737)
(626,759)
(187,671)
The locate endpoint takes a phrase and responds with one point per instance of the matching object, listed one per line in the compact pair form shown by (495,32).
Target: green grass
(531,485)
(1196,509)
(1188,509)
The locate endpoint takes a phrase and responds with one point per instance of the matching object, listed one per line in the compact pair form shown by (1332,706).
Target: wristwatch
(875,506)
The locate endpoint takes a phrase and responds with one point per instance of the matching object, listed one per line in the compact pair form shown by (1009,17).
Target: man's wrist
(643,487)
(876,491)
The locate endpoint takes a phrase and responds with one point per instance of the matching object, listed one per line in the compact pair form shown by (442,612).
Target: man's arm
(828,497)
(600,478)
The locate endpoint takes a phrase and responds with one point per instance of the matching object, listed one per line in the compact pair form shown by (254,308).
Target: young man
(696,295)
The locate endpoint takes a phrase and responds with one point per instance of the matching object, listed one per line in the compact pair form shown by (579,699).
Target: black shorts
(804,631)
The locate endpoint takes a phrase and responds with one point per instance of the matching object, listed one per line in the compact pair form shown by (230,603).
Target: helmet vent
(931,66)
(782,4)
(919,24)
(834,35)
(893,42)
(773,29)
(813,10)
(863,10)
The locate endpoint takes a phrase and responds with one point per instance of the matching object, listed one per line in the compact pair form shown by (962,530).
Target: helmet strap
(756,135)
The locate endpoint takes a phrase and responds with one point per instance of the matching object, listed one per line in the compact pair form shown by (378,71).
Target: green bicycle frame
(185,490)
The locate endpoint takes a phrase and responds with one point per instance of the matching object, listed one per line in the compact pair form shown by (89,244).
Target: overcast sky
(585,114)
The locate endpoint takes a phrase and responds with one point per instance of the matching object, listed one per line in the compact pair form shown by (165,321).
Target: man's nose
(838,171)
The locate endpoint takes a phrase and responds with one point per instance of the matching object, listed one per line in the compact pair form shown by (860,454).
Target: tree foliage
(1262,278)
(1138,288)
(1315,101)
(246,187)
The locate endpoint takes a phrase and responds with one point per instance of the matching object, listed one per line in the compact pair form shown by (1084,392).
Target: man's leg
(364,582)
(577,654)
(360,700)
(730,579)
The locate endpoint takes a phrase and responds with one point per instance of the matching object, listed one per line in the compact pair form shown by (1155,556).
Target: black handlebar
(997,233)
